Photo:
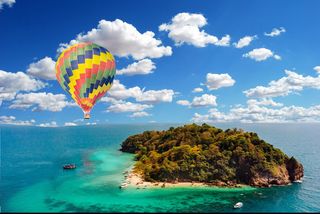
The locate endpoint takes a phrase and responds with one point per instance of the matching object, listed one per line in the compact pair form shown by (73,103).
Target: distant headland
(205,155)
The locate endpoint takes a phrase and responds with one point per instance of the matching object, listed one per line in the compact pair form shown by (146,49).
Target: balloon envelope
(86,71)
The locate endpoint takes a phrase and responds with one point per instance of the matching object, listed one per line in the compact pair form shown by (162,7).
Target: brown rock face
(285,174)
(295,169)
(266,179)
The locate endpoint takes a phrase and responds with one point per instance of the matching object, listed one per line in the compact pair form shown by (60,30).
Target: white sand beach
(135,180)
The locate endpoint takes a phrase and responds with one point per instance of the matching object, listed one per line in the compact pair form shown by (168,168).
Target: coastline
(134,179)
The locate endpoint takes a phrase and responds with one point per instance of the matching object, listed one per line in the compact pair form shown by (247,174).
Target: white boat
(298,181)
(238,205)
(123,185)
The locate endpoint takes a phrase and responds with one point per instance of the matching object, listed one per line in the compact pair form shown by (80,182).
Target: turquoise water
(32,179)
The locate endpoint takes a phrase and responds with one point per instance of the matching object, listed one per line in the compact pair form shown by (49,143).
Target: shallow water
(32,178)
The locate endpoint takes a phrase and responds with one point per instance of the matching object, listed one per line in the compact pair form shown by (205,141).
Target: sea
(32,178)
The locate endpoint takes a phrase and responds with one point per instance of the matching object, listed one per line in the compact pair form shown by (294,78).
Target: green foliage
(202,153)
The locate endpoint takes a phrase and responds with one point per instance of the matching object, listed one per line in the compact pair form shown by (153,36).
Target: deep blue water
(32,178)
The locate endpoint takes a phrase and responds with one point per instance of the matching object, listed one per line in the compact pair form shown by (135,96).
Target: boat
(298,181)
(238,205)
(69,166)
(123,185)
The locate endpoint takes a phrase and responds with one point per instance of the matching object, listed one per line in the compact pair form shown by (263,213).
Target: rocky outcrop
(284,174)
(295,169)
(267,179)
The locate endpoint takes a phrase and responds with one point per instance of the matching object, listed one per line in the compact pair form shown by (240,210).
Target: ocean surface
(32,178)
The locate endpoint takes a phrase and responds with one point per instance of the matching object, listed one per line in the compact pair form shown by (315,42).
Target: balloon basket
(86,116)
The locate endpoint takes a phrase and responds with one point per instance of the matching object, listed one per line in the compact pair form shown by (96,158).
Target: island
(202,154)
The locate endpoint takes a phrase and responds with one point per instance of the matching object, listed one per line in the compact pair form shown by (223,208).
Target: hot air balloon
(86,71)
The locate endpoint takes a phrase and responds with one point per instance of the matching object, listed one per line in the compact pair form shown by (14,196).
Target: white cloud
(216,81)
(70,124)
(183,102)
(6,2)
(128,107)
(284,86)
(276,32)
(110,100)
(91,124)
(261,54)
(204,100)
(245,41)
(259,113)
(199,118)
(44,69)
(277,57)
(7,96)
(140,114)
(317,69)
(144,66)
(11,120)
(156,96)
(119,92)
(224,41)
(50,124)
(263,102)
(185,28)
(12,83)
(123,39)
(41,101)
(197,90)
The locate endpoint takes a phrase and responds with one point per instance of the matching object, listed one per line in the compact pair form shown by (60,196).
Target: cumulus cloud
(140,114)
(263,102)
(11,120)
(197,90)
(292,82)
(202,101)
(43,69)
(183,102)
(261,54)
(276,32)
(123,39)
(127,107)
(112,100)
(216,81)
(156,96)
(224,41)
(317,69)
(245,41)
(186,28)
(119,92)
(144,66)
(41,101)
(261,112)
(70,124)
(6,2)
(50,124)
(12,83)
(7,96)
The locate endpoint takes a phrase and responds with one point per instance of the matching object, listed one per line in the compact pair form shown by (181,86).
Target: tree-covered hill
(208,154)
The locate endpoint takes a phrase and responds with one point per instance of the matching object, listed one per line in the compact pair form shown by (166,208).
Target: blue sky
(255,61)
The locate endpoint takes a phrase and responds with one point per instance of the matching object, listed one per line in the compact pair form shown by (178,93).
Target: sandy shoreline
(135,180)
